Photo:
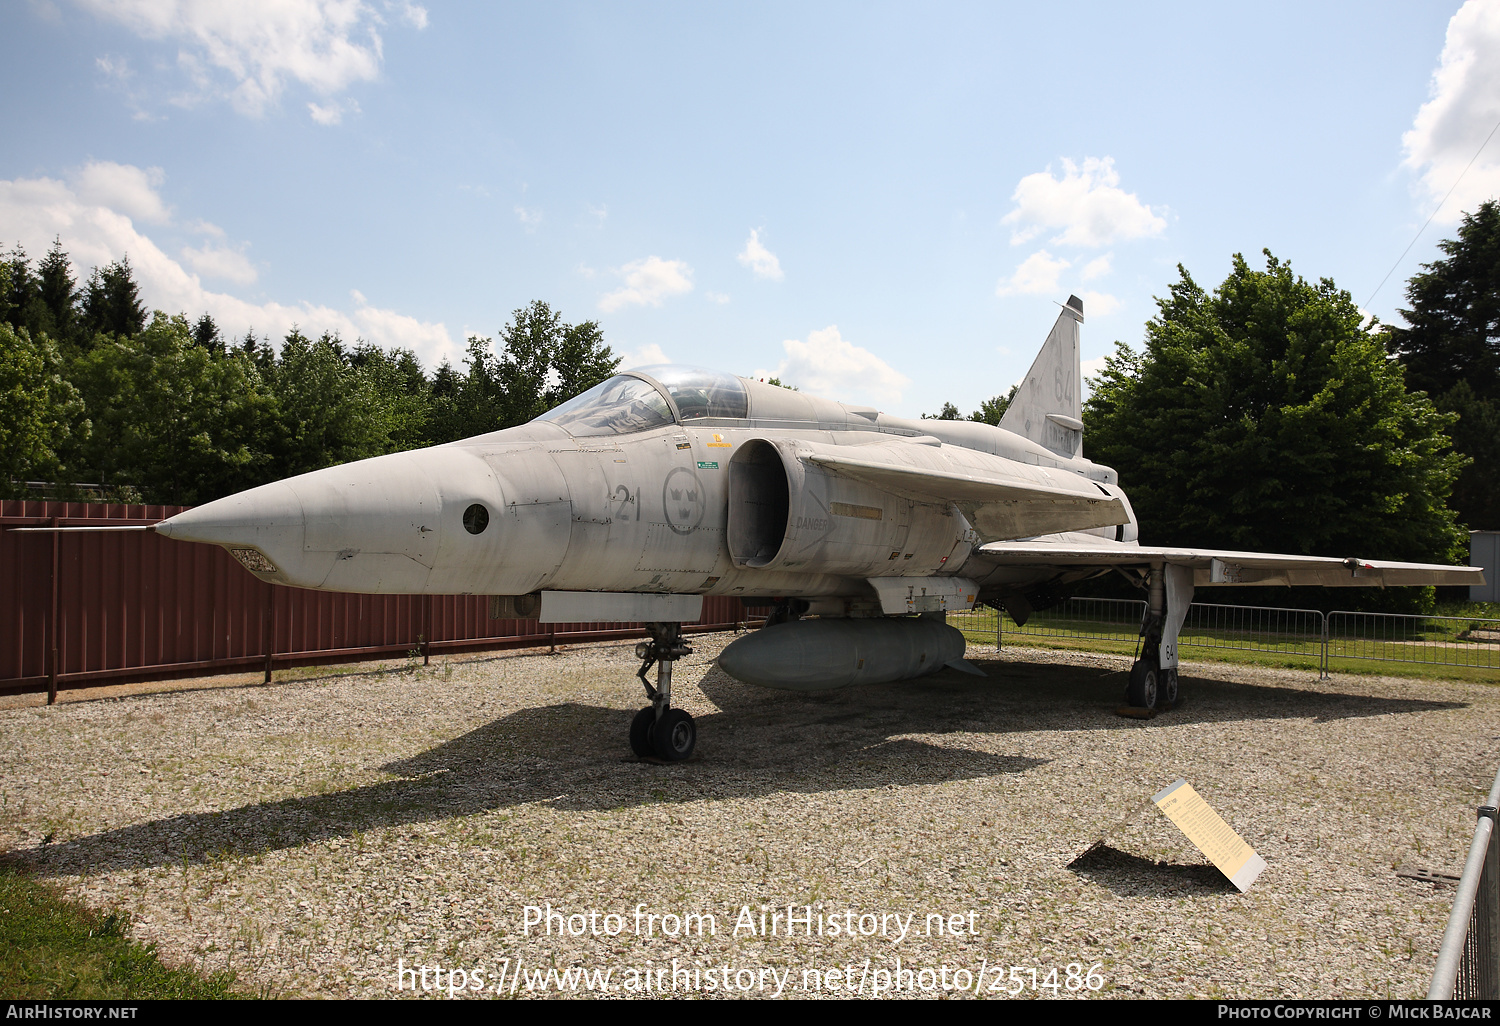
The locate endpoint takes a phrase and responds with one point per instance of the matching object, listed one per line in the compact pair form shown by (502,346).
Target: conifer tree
(58,292)
(206,334)
(1451,350)
(112,301)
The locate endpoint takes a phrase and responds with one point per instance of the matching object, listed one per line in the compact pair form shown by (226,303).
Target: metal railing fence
(1440,640)
(1255,629)
(1468,963)
(1103,619)
(1322,637)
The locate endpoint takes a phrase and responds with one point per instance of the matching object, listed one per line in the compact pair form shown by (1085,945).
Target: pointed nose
(257,518)
(374,526)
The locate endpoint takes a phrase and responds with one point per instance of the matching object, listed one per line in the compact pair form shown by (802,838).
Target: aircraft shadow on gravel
(1086,696)
(569,756)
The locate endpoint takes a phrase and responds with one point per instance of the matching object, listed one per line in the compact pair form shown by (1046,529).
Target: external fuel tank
(816,655)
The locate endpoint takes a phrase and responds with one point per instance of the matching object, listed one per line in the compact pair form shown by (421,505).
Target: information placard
(1213,837)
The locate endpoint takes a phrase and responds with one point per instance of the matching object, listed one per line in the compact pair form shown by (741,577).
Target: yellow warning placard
(1213,837)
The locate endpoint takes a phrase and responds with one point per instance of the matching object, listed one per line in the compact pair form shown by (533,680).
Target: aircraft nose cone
(375,526)
(252,518)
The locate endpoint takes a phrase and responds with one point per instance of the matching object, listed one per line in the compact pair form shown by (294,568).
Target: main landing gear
(1153,676)
(659,729)
(1151,686)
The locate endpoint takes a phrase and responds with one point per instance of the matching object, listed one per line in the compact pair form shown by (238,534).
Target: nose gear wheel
(659,730)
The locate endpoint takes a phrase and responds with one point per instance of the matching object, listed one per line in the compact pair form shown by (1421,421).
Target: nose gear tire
(640,732)
(674,736)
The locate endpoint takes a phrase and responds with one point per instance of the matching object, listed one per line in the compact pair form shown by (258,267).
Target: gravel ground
(319,835)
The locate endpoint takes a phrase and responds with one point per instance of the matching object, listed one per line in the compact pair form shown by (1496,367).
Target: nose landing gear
(658,729)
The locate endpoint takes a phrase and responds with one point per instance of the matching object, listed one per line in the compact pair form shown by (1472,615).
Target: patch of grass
(1481,610)
(54,949)
(1281,660)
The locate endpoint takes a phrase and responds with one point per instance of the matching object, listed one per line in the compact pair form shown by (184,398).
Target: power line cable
(1434,213)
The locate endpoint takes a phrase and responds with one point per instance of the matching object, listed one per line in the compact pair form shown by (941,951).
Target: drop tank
(816,655)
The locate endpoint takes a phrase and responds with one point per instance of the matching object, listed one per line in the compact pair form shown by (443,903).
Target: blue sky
(880,202)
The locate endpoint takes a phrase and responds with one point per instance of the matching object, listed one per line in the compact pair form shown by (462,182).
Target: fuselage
(666,480)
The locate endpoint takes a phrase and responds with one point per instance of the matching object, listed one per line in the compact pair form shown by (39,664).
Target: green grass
(54,949)
(1286,660)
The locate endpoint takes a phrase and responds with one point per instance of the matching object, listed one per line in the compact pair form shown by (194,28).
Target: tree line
(1268,414)
(1265,413)
(161,410)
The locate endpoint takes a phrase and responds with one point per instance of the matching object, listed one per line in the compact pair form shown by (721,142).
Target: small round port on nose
(476,519)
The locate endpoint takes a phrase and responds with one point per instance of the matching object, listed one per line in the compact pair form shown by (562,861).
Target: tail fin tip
(1047,407)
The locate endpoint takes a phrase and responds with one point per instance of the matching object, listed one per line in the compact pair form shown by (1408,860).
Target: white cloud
(716,297)
(645,356)
(1097,268)
(1091,369)
(1037,275)
(530,217)
(332,113)
(249,51)
(648,282)
(202,227)
(1086,203)
(827,364)
(114,67)
(1099,304)
(1464,107)
(761,261)
(221,262)
(123,187)
(390,330)
(34,210)
(414,15)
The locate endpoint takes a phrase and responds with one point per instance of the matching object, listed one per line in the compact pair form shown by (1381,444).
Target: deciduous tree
(40,412)
(170,419)
(1262,416)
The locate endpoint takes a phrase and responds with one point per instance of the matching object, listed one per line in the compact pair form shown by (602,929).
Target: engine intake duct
(759,503)
(786,512)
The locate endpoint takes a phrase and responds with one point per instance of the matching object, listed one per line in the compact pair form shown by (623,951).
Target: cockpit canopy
(652,397)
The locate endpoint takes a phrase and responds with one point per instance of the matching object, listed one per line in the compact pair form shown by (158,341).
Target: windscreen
(701,393)
(620,406)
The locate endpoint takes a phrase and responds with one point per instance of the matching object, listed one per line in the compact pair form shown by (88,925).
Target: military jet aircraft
(858,530)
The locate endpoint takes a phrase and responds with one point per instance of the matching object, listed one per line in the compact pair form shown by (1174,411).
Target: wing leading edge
(1222,567)
(999,508)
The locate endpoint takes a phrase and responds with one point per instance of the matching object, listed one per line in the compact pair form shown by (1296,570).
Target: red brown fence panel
(83,608)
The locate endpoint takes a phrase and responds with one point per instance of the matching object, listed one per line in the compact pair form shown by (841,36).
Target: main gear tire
(1140,693)
(1166,689)
(674,736)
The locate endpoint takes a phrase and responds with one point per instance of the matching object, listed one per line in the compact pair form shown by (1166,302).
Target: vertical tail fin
(1048,407)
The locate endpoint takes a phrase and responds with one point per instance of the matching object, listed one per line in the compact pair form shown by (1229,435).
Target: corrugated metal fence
(84,608)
